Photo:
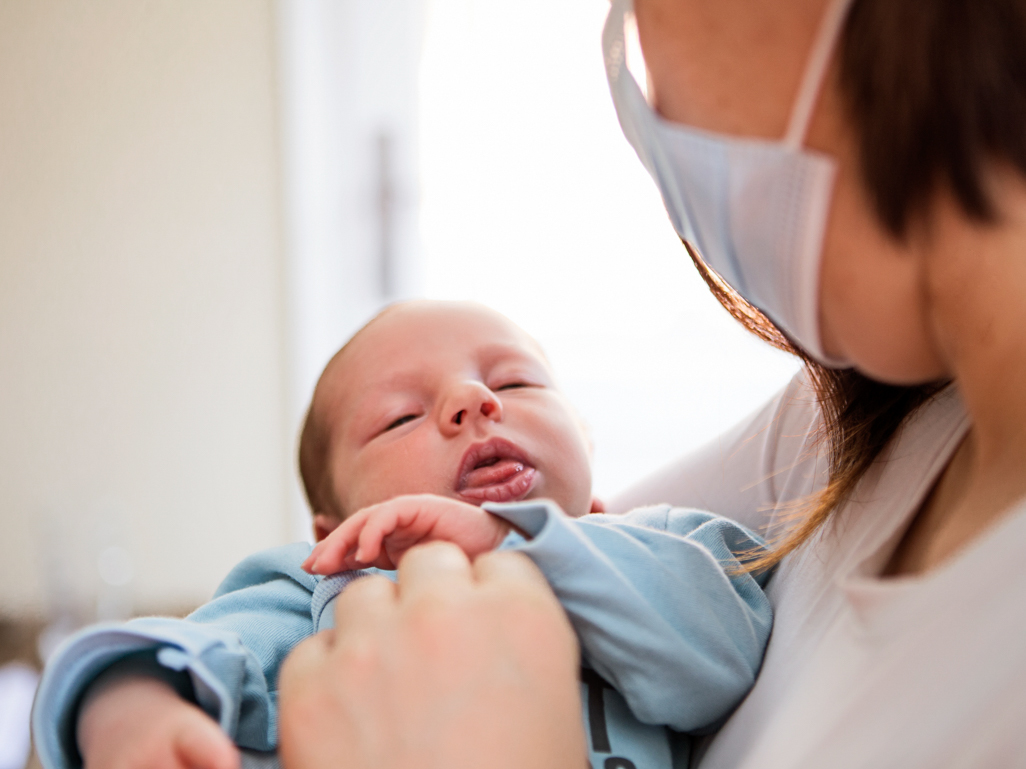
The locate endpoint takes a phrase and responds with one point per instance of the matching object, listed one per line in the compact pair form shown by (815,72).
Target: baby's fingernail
(359,554)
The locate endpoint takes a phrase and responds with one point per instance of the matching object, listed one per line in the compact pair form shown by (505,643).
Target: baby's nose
(472,400)
(487,409)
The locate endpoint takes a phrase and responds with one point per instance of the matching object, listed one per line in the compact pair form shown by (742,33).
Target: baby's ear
(324,524)
(597,505)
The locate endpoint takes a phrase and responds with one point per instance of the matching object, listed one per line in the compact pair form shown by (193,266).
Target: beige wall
(141,302)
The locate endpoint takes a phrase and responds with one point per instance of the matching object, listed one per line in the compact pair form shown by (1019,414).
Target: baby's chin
(575,505)
(573,499)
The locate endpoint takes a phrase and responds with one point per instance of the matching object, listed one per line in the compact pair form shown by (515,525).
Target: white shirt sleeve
(752,471)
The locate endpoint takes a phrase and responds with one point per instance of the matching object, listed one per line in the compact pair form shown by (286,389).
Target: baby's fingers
(380,525)
(329,556)
(202,745)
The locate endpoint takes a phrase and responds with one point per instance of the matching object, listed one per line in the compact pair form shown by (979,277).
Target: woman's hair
(859,417)
(936,91)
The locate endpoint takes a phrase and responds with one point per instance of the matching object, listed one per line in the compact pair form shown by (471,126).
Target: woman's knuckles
(359,660)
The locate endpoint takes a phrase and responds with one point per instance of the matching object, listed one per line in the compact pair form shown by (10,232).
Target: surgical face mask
(755,210)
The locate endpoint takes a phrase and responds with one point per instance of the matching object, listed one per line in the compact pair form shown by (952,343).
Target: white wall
(349,72)
(141,303)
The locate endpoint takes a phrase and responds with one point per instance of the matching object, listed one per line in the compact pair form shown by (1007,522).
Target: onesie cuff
(88,653)
(529,516)
(551,541)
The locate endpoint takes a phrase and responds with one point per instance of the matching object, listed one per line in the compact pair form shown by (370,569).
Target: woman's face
(734,66)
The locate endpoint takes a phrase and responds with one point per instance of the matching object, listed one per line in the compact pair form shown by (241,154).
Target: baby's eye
(400,421)
(511,386)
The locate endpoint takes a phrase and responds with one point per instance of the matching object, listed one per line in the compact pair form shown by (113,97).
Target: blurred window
(532,202)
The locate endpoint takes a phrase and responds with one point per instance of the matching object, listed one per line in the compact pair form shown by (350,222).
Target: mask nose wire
(830,27)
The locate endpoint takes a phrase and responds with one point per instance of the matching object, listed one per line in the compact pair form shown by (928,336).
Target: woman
(885,238)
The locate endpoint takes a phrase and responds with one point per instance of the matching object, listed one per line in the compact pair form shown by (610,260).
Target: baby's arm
(661,604)
(659,598)
(379,535)
(133,721)
(228,652)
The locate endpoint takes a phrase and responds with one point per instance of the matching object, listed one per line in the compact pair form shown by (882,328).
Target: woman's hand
(458,665)
(381,534)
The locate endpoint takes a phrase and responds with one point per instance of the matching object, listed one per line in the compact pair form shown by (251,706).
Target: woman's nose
(469,403)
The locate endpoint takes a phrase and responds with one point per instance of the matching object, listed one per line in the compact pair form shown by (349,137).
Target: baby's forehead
(445,326)
(390,350)
(425,316)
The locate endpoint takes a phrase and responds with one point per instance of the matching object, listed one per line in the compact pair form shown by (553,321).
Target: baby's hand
(142,723)
(379,535)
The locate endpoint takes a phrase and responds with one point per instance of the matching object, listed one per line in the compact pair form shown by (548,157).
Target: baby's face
(450,399)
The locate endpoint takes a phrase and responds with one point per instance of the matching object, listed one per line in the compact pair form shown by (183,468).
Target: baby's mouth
(495,471)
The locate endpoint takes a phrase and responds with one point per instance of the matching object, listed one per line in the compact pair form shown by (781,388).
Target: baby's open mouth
(495,471)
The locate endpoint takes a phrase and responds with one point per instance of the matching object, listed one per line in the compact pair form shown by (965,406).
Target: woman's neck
(975,278)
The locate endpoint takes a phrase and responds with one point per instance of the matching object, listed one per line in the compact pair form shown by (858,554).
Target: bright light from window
(533,203)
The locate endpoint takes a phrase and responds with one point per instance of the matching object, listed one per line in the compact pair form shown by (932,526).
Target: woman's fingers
(523,607)
(365,603)
(528,609)
(434,568)
(331,685)
(457,665)
(512,568)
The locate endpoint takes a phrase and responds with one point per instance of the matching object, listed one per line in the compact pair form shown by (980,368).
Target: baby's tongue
(500,472)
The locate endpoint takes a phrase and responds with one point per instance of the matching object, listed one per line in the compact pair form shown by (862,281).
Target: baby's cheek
(409,473)
(572,487)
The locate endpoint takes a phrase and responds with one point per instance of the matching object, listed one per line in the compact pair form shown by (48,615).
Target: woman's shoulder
(769,458)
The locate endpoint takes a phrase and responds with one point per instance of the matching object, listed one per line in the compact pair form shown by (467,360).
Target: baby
(437,421)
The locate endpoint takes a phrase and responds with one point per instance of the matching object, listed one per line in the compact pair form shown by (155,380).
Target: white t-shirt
(923,671)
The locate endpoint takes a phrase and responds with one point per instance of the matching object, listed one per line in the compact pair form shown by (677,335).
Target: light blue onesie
(671,632)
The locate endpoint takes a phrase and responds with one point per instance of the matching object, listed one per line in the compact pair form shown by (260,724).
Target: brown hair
(859,417)
(936,90)
(313,456)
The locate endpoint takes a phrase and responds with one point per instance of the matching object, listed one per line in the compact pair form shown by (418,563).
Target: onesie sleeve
(231,649)
(659,602)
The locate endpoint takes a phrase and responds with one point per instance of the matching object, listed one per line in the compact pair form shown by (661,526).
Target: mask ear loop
(815,71)
(830,27)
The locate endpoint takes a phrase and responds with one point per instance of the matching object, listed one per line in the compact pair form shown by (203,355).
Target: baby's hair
(315,438)
(313,444)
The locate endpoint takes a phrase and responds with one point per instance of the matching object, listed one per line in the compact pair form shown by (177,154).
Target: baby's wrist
(503,529)
(113,703)
(137,681)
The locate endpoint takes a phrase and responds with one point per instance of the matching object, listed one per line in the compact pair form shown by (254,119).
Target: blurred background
(201,199)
